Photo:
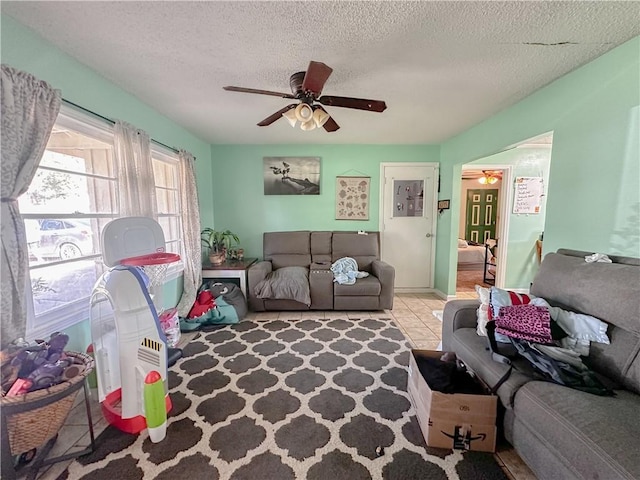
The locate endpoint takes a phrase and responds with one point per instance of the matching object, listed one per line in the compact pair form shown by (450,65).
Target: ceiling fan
(485,177)
(306,88)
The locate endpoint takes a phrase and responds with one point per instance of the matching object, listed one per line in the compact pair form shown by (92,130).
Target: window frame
(77,311)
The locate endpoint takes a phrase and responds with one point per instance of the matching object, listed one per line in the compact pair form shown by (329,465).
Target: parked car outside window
(57,238)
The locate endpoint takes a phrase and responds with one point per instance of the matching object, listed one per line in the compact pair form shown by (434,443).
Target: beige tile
(435,304)
(78,414)
(356,315)
(437,331)
(291,316)
(401,312)
(262,316)
(427,296)
(68,436)
(421,334)
(422,311)
(335,315)
(426,344)
(409,322)
(311,315)
(52,472)
(405,295)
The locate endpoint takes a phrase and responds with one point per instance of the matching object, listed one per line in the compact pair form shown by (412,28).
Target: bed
(472,257)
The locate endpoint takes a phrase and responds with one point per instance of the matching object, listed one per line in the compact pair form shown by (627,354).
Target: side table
(230,269)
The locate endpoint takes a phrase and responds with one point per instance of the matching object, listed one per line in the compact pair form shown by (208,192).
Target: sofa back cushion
(321,247)
(363,248)
(287,249)
(608,291)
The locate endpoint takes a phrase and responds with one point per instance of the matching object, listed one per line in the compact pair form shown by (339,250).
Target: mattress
(471,255)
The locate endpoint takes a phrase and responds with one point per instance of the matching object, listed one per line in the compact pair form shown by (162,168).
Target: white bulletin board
(528,194)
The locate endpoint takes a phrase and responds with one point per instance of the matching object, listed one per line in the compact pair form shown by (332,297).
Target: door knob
(428,235)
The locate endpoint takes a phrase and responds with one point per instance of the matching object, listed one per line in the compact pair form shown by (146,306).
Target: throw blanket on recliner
(345,271)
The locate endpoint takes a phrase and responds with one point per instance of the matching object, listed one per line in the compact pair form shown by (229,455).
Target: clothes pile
(345,271)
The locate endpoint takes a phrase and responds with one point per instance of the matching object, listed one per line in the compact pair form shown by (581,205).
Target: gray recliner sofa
(562,433)
(317,250)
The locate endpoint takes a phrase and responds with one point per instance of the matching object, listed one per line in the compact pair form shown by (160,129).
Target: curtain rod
(107,119)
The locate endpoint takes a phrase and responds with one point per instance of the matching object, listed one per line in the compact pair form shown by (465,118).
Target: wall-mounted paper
(528,194)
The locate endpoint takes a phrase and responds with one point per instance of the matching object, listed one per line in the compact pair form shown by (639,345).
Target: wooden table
(230,269)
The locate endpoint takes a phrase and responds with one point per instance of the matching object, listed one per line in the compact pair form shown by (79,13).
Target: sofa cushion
(607,291)
(363,287)
(474,352)
(363,248)
(286,249)
(595,435)
(321,247)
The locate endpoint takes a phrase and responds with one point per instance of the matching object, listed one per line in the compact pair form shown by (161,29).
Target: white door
(408,222)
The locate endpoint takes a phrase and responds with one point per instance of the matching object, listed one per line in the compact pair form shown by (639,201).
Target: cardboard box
(452,420)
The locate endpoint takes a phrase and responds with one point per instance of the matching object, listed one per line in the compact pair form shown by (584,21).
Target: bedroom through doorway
(487,217)
(477,232)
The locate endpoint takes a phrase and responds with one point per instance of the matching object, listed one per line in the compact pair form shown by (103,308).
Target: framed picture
(291,175)
(352,198)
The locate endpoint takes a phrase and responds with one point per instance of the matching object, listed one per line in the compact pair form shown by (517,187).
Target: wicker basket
(34,427)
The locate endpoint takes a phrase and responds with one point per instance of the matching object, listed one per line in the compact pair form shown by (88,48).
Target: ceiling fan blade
(316,76)
(272,118)
(331,125)
(260,92)
(358,103)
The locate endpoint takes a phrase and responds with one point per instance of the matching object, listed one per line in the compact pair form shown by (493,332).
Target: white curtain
(29,111)
(137,190)
(192,258)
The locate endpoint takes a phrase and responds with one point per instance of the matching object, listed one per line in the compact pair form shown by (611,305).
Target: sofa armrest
(386,274)
(256,273)
(458,314)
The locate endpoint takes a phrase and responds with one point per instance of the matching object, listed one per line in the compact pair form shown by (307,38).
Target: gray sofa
(316,251)
(559,432)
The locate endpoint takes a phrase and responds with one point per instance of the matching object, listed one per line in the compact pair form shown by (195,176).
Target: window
(73,195)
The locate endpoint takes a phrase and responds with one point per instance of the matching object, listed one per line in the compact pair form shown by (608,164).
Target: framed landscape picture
(291,175)
(352,198)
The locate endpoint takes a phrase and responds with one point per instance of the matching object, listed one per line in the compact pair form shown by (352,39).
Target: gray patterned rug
(287,400)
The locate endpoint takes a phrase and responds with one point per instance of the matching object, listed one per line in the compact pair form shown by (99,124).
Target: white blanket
(345,271)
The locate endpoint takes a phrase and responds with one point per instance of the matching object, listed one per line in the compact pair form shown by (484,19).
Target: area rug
(288,400)
(468,279)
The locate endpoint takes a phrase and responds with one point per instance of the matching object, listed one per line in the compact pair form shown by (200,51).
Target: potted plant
(218,243)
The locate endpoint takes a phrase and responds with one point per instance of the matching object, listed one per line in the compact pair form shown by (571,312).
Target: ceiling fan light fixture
(290,116)
(310,125)
(488,179)
(304,113)
(320,117)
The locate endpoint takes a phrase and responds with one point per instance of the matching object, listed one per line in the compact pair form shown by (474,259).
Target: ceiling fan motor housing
(295,82)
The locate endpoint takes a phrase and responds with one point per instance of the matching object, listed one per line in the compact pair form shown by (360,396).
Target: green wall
(24,49)
(593,201)
(242,207)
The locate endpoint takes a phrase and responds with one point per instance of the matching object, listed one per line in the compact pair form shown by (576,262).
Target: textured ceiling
(441,67)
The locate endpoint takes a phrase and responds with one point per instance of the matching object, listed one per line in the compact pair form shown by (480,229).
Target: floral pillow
(483,310)
(505,298)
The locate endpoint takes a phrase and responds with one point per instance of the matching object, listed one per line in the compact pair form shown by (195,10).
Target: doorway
(408,199)
(512,263)
(482,224)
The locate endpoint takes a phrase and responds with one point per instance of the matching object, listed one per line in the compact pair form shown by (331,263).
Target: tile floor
(417,315)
